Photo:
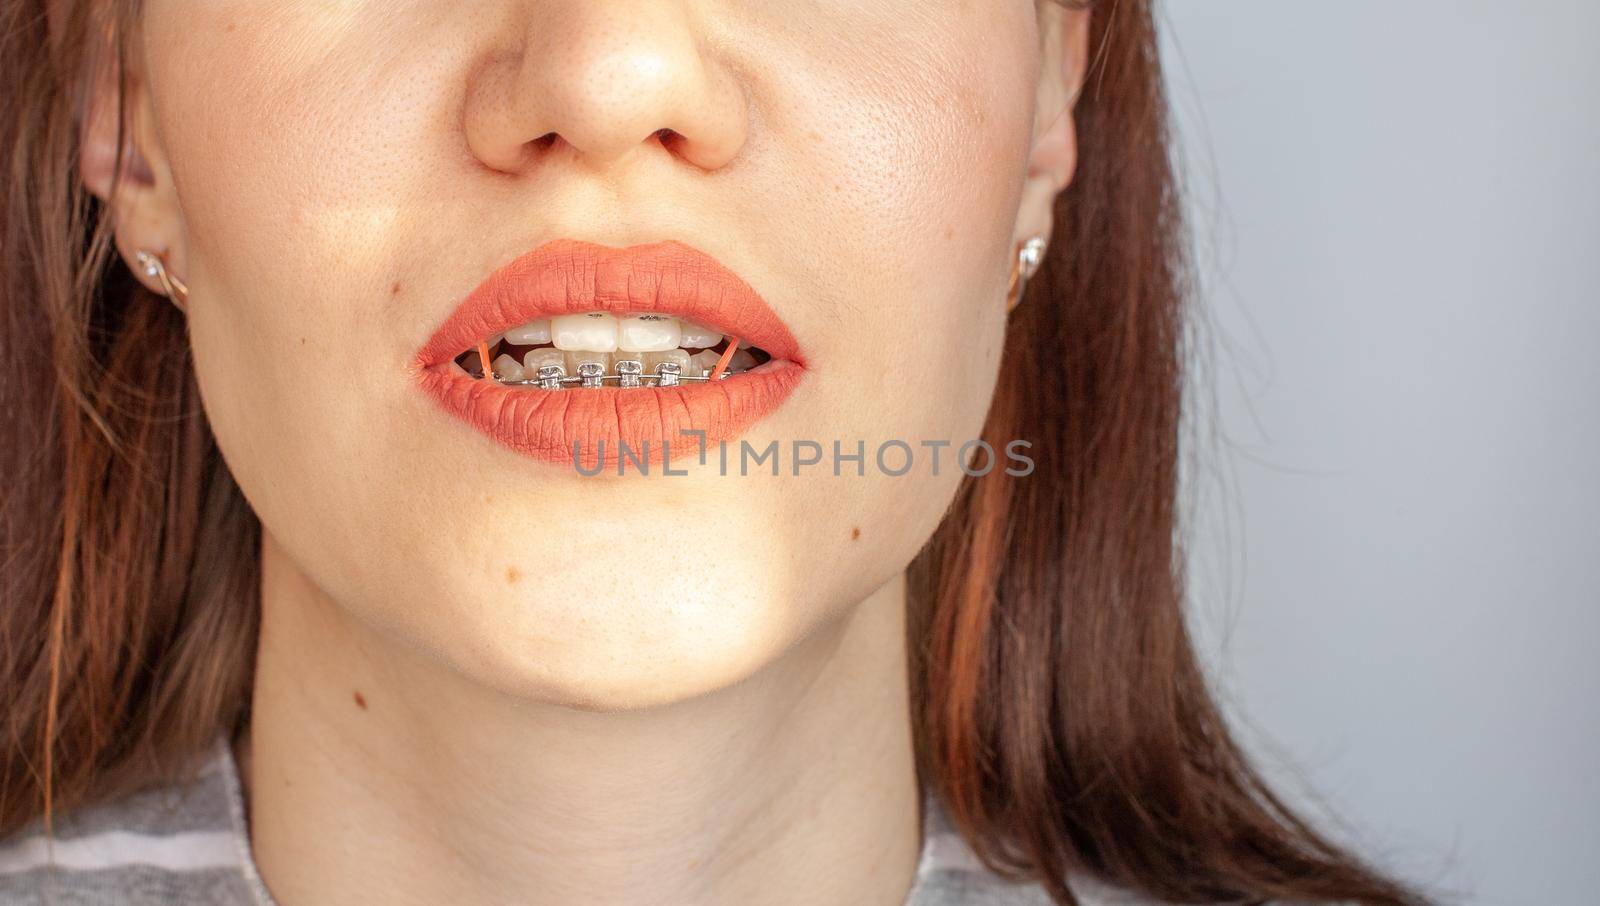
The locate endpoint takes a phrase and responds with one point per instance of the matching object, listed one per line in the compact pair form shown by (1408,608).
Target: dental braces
(629,374)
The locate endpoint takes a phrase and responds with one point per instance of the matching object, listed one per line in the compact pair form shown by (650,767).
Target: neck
(377,774)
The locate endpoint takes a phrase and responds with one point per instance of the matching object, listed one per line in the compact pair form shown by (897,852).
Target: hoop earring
(174,288)
(1030,255)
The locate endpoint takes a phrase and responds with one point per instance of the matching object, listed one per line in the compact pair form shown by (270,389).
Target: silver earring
(1030,255)
(156,269)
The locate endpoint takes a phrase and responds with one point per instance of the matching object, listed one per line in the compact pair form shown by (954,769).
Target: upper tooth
(741,361)
(648,333)
(592,331)
(533,333)
(696,336)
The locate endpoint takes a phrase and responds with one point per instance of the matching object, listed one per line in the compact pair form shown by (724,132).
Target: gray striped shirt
(188,845)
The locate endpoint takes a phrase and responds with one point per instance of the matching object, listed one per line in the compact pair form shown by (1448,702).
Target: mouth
(595,354)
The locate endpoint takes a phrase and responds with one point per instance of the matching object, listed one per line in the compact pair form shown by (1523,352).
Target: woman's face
(343,173)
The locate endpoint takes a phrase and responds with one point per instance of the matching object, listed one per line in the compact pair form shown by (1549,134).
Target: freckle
(512,575)
(302,341)
(395,289)
(855,533)
(488,498)
(361,700)
(949,232)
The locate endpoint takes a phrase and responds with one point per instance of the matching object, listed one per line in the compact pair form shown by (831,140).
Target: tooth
(696,336)
(540,357)
(550,376)
(595,331)
(629,370)
(472,363)
(578,358)
(533,333)
(507,368)
(741,361)
(702,363)
(674,356)
(647,333)
(537,360)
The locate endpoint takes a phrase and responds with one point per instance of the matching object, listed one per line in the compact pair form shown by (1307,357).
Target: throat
(465,787)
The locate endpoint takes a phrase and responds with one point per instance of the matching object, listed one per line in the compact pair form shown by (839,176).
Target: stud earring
(174,288)
(1030,255)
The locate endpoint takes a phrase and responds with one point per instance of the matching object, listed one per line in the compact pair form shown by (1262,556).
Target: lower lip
(592,427)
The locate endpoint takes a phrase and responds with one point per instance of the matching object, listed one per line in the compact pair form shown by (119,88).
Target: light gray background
(1397,570)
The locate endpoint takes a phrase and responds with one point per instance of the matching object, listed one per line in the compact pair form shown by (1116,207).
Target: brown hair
(1061,715)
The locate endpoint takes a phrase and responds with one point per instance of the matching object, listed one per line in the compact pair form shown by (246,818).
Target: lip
(568,276)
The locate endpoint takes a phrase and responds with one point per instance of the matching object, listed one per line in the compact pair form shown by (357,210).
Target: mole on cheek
(395,289)
(361,700)
(512,575)
(855,534)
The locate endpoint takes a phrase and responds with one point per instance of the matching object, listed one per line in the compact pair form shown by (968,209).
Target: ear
(1064,59)
(118,122)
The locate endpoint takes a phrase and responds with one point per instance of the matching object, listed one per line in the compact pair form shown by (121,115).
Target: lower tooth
(555,369)
(537,365)
(538,358)
(576,359)
(702,363)
(507,368)
(551,376)
(654,360)
(590,373)
(628,372)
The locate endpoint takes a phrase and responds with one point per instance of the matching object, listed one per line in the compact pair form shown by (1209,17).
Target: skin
(468,690)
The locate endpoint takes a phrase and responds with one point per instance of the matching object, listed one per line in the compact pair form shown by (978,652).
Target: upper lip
(569,276)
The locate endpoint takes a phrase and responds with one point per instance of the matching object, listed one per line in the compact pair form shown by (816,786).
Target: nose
(607,78)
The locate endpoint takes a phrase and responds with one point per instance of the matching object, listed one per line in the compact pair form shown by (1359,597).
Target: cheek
(904,191)
(304,144)
(301,144)
(912,191)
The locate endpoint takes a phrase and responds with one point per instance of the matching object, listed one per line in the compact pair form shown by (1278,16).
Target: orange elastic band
(722,363)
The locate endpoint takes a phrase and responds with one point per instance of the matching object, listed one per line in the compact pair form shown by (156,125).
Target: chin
(603,644)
